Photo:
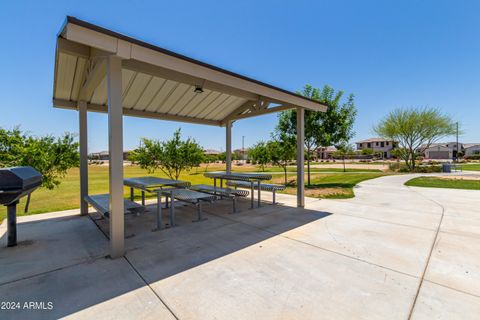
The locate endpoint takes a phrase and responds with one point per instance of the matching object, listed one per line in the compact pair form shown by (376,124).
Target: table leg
(143,198)
(258,185)
(172,211)
(132,194)
(159,221)
(199,212)
(252,201)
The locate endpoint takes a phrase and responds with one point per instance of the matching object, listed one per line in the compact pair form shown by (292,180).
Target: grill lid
(19,178)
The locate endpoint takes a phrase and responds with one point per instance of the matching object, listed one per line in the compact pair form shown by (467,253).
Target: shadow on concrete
(67,266)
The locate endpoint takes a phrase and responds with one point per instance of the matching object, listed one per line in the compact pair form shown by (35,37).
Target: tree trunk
(285,173)
(27,204)
(344,169)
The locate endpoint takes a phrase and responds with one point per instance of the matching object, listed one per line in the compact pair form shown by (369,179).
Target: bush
(473,157)
(395,166)
(420,169)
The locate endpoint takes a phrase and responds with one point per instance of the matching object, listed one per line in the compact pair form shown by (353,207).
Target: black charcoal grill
(16,183)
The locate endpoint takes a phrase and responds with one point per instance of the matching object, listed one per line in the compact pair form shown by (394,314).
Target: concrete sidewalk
(393,252)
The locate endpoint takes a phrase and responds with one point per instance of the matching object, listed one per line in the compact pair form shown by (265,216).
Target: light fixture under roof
(198,89)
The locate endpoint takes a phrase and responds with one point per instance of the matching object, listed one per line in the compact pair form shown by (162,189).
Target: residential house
(211,152)
(471,149)
(324,152)
(241,154)
(448,150)
(105,156)
(439,151)
(378,145)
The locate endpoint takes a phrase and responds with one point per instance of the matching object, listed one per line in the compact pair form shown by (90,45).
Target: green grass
(471,167)
(333,186)
(313,170)
(432,182)
(67,195)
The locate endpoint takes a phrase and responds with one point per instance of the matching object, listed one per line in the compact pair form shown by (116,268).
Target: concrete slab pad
(461,226)
(392,214)
(438,302)
(455,263)
(157,261)
(139,228)
(400,248)
(102,289)
(49,244)
(283,279)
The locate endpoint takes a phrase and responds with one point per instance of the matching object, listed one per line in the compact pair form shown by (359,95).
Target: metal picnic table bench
(264,186)
(250,178)
(101,203)
(149,184)
(173,189)
(222,192)
(184,195)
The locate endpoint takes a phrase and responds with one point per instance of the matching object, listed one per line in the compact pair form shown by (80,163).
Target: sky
(389,54)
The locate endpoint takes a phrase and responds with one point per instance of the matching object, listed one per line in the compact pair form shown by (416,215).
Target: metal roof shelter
(103,71)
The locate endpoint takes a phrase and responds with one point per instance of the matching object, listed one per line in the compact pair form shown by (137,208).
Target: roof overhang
(158,83)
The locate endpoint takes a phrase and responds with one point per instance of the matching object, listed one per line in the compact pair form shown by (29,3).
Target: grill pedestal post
(12,224)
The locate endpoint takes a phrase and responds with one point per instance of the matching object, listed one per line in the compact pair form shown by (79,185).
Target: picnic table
(154,185)
(250,177)
(149,184)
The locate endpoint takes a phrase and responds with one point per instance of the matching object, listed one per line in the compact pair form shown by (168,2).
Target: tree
(50,156)
(222,156)
(209,158)
(282,150)
(343,151)
(367,152)
(260,154)
(322,128)
(171,157)
(415,129)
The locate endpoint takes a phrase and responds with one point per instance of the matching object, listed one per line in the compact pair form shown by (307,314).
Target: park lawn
(330,186)
(471,167)
(66,196)
(433,182)
(252,168)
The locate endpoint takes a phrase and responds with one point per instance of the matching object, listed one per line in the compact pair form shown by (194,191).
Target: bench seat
(263,186)
(189,196)
(222,192)
(101,203)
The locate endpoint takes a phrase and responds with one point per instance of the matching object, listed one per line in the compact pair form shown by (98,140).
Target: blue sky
(388,53)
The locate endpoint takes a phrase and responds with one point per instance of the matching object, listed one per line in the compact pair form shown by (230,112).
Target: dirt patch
(321,192)
(461,177)
(383,167)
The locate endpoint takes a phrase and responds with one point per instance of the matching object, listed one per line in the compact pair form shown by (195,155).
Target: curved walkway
(431,234)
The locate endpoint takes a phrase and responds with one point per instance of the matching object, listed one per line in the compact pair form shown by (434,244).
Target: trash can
(446,167)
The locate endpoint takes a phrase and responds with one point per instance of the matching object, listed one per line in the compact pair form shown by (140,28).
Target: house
(448,150)
(471,149)
(378,146)
(241,154)
(439,151)
(211,152)
(324,152)
(105,156)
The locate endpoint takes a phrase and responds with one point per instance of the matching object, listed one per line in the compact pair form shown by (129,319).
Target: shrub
(473,157)
(419,169)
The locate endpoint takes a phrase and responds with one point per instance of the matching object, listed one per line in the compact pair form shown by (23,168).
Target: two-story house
(378,145)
